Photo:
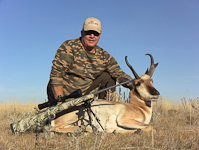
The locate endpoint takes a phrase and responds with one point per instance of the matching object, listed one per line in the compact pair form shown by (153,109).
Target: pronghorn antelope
(116,117)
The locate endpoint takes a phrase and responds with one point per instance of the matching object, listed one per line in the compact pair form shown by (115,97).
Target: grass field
(176,126)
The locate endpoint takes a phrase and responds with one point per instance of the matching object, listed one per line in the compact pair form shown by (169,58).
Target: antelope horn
(135,74)
(152,67)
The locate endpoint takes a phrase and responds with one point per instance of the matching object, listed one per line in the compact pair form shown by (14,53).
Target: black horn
(152,67)
(135,74)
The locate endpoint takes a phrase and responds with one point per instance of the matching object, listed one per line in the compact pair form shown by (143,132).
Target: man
(81,64)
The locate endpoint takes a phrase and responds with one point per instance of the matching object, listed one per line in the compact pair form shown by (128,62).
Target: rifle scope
(75,94)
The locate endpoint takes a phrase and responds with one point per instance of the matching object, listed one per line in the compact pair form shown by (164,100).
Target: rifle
(24,124)
(75,94)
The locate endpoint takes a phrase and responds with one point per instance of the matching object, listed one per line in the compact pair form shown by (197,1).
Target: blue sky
(32,31)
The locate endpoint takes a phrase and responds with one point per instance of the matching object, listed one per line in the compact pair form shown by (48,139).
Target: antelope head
(144,84)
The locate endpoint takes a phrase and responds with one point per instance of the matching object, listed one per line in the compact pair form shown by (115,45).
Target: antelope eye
(138,84)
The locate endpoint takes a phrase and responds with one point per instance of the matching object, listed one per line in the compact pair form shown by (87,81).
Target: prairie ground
(175,126)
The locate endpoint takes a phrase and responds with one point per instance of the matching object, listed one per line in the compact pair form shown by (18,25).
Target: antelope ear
(132,85)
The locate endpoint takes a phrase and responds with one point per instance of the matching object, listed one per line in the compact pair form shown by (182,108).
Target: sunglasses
(91,32)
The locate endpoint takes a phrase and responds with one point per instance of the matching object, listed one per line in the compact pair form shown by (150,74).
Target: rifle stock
(24,124)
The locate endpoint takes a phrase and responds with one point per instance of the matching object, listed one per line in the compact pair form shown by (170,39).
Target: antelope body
(116,117)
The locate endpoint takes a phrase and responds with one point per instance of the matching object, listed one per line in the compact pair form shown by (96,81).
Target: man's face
(90,39)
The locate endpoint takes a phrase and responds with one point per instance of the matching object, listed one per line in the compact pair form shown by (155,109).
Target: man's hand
(57,90)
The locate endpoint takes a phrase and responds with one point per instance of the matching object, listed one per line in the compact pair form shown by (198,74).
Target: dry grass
(176,127)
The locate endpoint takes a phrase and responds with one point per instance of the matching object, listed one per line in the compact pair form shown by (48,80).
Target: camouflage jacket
(76,68)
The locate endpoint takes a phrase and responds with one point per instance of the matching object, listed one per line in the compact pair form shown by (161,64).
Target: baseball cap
(92,23)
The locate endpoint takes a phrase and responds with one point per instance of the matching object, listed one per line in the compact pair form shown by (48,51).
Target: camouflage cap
(92,24)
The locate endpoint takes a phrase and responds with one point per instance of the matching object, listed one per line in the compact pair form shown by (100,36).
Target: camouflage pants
(101,82)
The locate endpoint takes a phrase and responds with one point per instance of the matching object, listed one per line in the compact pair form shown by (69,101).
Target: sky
(32,31)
